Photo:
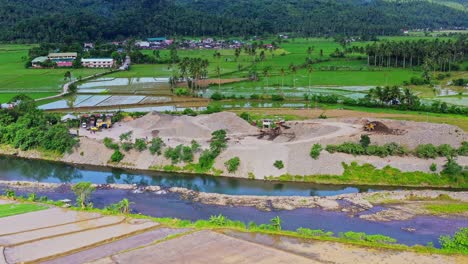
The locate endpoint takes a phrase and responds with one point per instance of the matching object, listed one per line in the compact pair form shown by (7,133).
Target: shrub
(110,144)
(245,116)
(117,156)
(140,144)
(433,167)
(451,168)
(279,164)
(255,96)
(360,236)
(277,97)
(446,150)
(315,151)
(365,141)
(206,159)
(459,241)
(232,164)
(463,150)
(127,146)
(189,112)
(427,151)
(187,154)
(194,146)
(174,154)
(322,116)
(217,96)
(156,146)
(126,136)
(181,91)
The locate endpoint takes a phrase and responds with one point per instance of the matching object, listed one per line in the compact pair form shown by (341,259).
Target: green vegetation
(108,142)
(389,149)
(367,174)
(83,191)
(179,153)
(122,207)
(456,208)
(232,164)
(20,21)
(15,209)
(315,151)
(127,146)
(360,236)
(278,164)
(156,146)
(140,144)
(117,156)
(457,243)
(25,127)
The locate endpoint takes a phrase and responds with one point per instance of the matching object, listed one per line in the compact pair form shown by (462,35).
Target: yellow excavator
(369,126)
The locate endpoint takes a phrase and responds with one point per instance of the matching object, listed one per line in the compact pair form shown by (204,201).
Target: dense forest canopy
(62,20)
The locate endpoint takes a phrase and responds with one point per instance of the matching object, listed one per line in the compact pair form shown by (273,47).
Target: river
(427,228)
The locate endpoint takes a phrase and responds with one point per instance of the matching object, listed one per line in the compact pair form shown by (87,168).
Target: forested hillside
(61,20)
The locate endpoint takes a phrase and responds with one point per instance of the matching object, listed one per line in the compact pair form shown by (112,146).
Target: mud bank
(404,204)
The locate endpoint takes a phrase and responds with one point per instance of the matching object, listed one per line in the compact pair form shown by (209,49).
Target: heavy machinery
(104,123)
(370,126)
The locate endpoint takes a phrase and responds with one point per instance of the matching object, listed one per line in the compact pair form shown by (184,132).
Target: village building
(37,62)
(97,63)
(63,59)
(142,44)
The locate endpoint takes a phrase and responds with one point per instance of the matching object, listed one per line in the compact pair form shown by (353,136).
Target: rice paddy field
(146,83)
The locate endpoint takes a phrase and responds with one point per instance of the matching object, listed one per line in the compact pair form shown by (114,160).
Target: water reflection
(12,168)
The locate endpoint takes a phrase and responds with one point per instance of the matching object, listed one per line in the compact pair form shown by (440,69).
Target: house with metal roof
(159,39)
(36,63)
(97,62)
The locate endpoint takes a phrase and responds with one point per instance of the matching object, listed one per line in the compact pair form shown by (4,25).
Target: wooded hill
(64,20)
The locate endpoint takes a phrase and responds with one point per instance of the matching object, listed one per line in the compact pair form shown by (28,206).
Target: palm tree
(293,69)
(282,77)
(218,72)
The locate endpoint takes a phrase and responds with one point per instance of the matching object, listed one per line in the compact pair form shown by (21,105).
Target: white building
(142,44)
(97,63)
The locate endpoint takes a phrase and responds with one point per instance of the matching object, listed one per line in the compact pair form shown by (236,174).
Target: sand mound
(228,121)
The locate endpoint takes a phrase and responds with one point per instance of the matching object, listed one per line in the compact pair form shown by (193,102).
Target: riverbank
(399,205)
(98,236)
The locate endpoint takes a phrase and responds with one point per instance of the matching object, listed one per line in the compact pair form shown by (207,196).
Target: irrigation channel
(426,228)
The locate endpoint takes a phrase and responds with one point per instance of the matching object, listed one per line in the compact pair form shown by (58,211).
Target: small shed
(67,117)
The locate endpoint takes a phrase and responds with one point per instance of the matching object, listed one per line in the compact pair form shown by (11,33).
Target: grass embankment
(455,208)
(367,174)
(15,209)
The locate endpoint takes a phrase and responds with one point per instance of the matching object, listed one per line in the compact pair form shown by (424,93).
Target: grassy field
(37,83)
(15,209)
(447,208)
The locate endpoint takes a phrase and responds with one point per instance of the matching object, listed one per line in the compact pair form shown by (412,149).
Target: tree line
(441,55)
(65,20)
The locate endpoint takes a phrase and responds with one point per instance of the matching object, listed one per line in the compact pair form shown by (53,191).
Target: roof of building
(156,39)
(63,54)
(39,59)
(97,59)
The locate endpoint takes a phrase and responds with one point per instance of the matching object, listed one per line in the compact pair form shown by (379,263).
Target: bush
(426,151)
(365,141)
(140,144)
(451,168)
(206,159)
(277,97)
(117,156)
(446,150)
(194,146)
(459,241)
(156,146)
(174,154)
(245,116)
(189,112)
(433,167)
(279,164)
(315,151)
(181,91)
(217,96)
(255,96)
(187,154)
(232,164)
(463,150)
(127,146)
(110,144)
(126,136)
(360,236)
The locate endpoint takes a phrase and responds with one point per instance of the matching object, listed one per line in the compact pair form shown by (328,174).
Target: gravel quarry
(258,153)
